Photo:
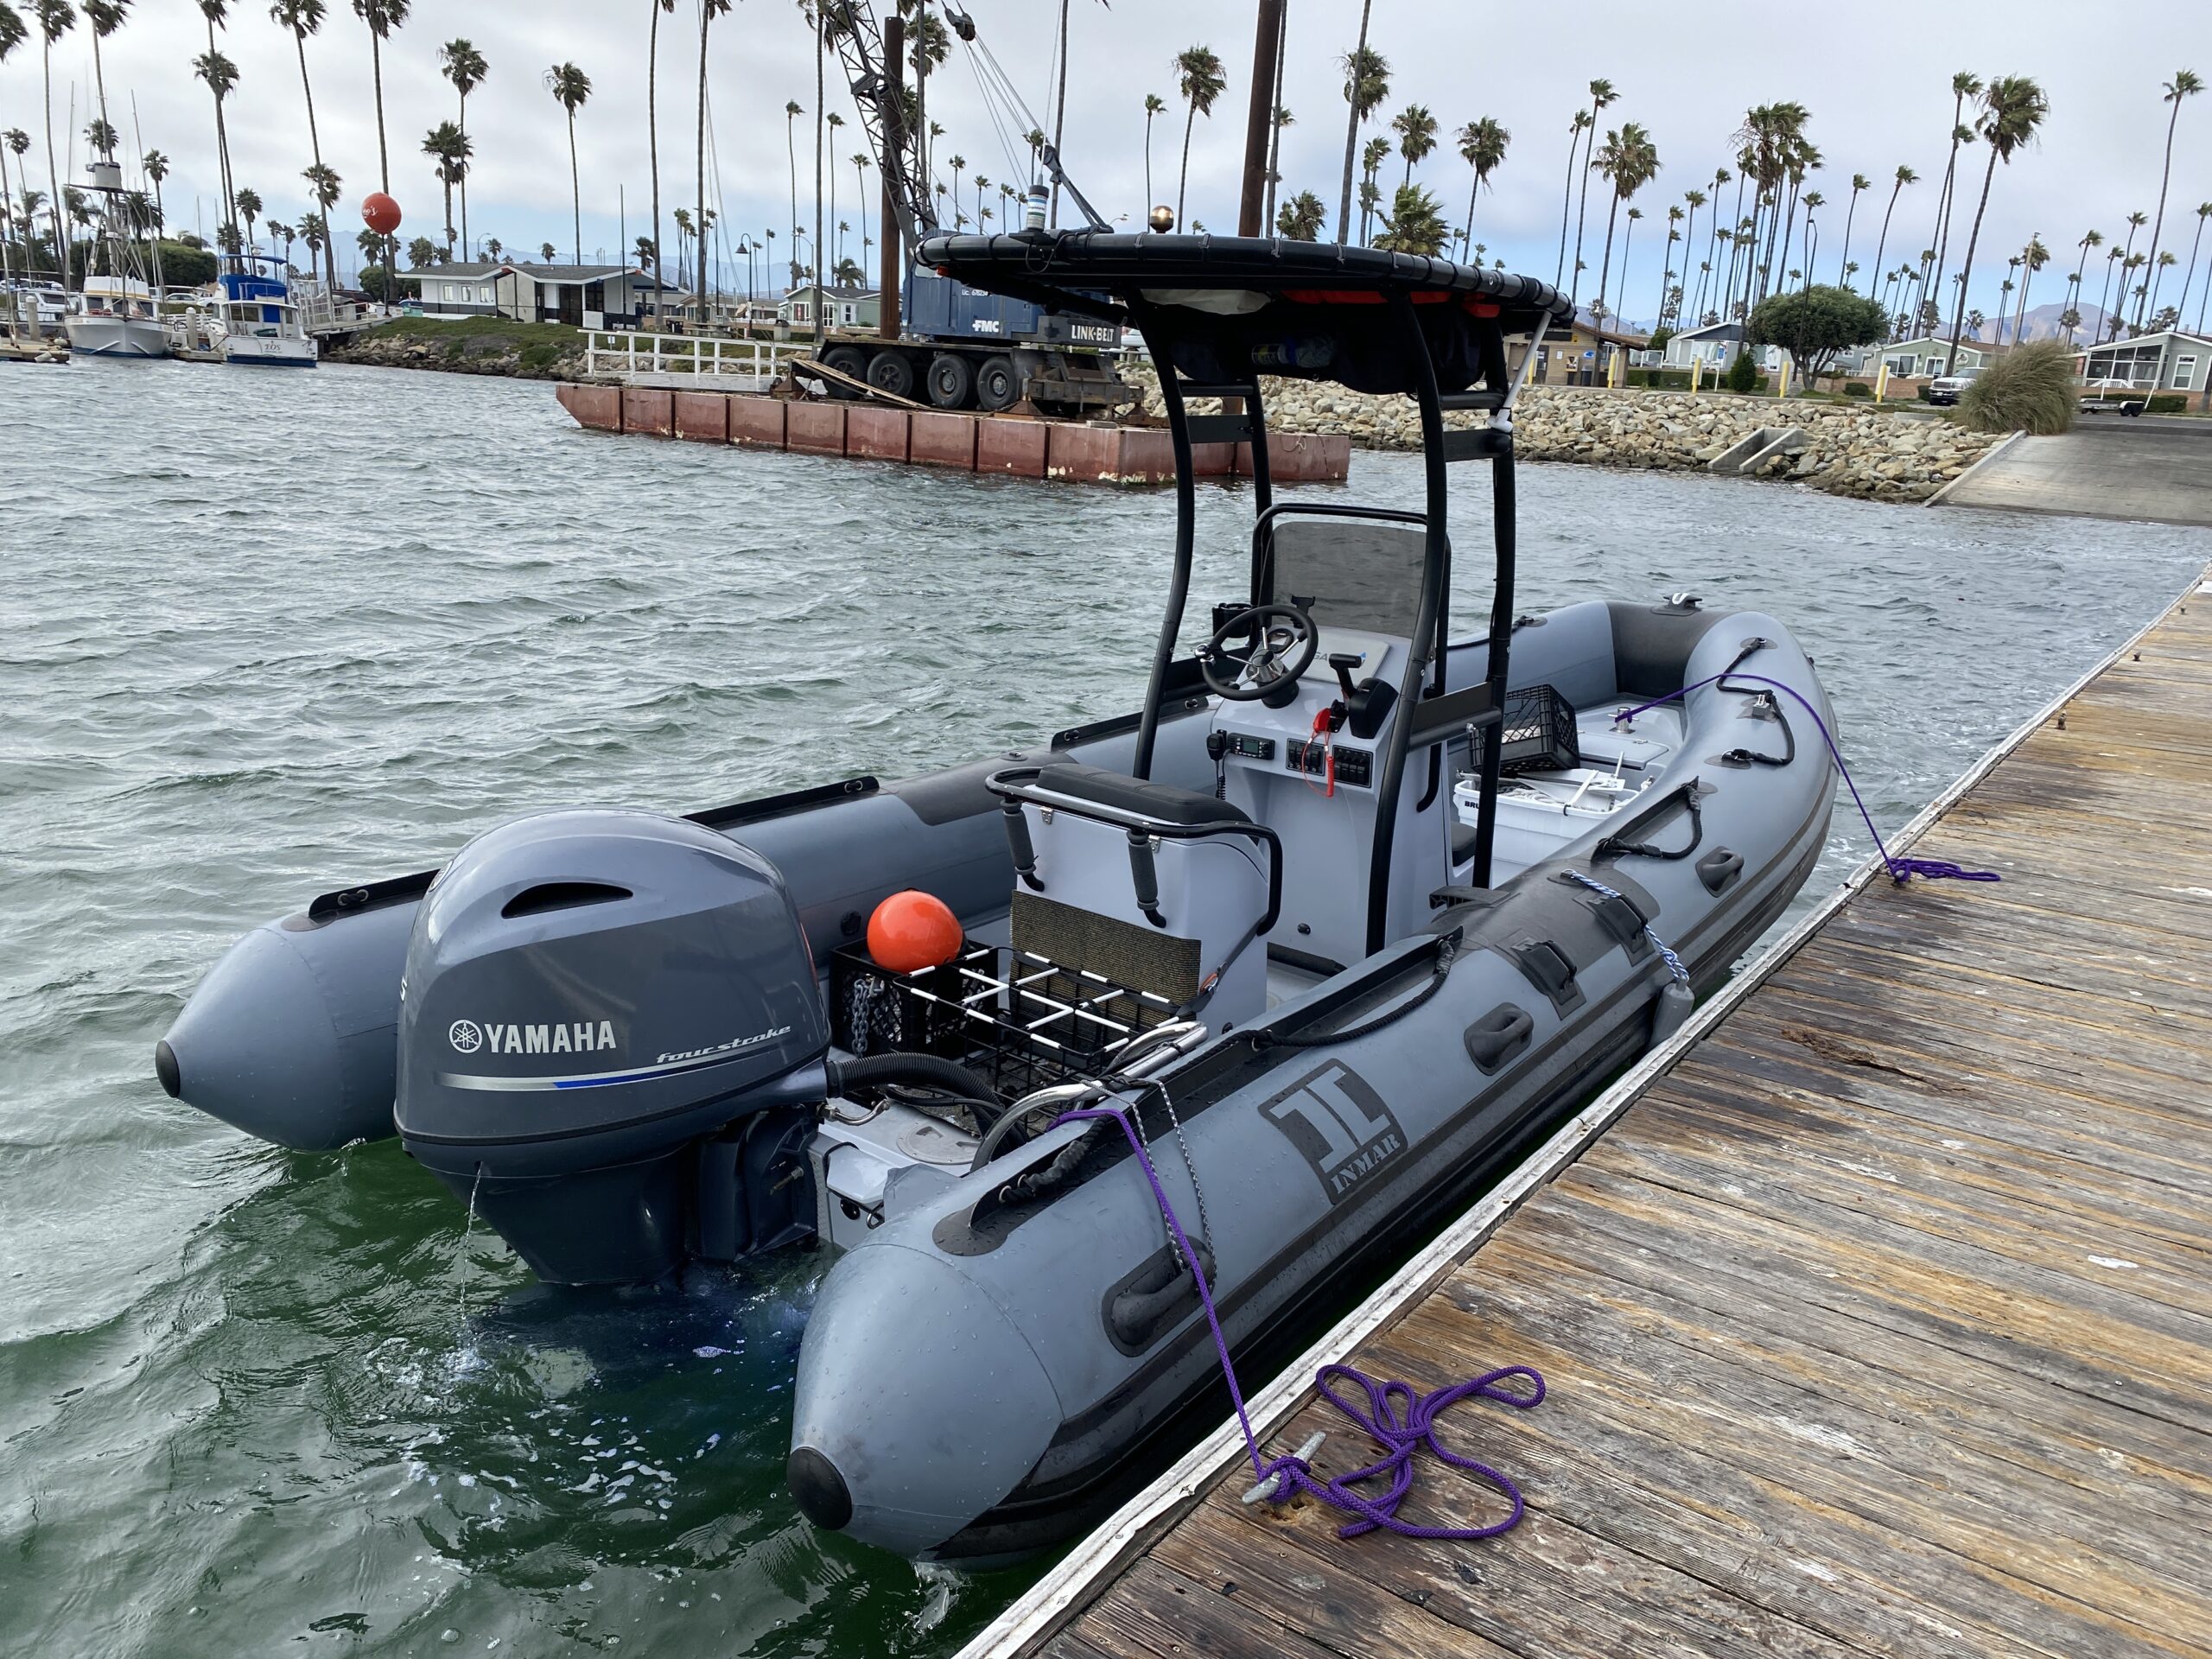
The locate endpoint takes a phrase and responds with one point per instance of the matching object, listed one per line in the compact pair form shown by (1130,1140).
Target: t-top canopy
(1225,307)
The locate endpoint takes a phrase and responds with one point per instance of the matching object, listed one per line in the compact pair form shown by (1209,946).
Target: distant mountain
(2043,323)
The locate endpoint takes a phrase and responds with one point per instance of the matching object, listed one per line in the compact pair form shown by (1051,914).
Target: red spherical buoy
(913,931)
(380,213)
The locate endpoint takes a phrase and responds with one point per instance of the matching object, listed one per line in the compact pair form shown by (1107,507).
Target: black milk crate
(1537,733)
(1018,1020)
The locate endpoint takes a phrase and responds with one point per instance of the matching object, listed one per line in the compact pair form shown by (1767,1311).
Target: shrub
(1814,325)
(2030,390)
(1743,373)
(2171,403)
(1856,389)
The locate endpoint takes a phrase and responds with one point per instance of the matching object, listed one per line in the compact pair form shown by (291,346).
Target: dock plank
(1879,1324)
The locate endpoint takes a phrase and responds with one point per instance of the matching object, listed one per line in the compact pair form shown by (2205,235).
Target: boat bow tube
(1345,918)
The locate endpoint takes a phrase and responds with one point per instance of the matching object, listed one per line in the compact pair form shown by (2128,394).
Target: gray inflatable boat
(1342,920)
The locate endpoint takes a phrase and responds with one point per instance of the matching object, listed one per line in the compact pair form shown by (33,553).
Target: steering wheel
(1287,642)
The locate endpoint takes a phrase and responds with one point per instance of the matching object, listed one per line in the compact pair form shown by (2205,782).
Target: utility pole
(893,106)
(1259,120)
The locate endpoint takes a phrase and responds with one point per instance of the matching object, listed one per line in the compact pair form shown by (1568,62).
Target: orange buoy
(913,931)
(380,213)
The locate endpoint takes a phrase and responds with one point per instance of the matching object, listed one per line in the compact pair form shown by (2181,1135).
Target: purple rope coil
(1398,1417)
(1902,870)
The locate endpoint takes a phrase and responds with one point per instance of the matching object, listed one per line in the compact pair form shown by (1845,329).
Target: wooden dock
(1876,1308)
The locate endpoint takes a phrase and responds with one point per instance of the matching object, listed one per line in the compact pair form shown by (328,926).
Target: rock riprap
(1873,453)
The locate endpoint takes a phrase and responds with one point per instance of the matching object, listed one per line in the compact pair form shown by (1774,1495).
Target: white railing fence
(687,359)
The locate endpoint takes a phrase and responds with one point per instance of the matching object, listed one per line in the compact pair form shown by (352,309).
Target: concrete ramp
(2109,467)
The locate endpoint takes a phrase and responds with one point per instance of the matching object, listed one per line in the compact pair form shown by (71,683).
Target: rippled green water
(266,635)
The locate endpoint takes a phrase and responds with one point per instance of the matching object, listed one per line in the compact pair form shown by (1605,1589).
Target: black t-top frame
(1216,314)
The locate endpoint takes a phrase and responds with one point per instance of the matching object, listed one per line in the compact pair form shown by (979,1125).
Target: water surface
(265,636)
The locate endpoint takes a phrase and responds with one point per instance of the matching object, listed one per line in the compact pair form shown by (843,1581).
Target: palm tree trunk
(1605,266)
(2188,279)
(1581,211)
(1966,270)
(1352,127)
(7,222)
(1883,240)
(1566,202)
(575,191)
(445,178)
(1467,236)
(1840,281)
(1189,120)
(2158,219)
(2104,296)
(464,176)
(790,155)
(1689,245)
(1147,161)
(706,15)
(1275,126)
(652,133)
(53,172)
(1933,284)
(1626,241)
(821,41)
(314,145)
(384,159)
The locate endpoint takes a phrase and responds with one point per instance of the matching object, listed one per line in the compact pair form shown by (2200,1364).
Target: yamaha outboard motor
(610,1041)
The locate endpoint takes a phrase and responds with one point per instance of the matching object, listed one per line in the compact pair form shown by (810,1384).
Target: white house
(1929,355)
(2169,362)
(842,308)
(1714,344)
(584,296)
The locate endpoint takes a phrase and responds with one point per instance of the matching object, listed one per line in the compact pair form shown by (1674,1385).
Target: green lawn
(439,330)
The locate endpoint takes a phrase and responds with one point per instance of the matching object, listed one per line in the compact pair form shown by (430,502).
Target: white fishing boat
(257,324)
(115,314)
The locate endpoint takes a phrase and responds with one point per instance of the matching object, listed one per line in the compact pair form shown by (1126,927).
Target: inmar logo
(1334,1117)
(582,1037)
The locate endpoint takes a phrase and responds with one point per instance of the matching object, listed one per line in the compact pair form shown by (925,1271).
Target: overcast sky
(1875,74)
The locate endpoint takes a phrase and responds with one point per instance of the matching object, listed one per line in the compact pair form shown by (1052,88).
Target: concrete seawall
(2106,468)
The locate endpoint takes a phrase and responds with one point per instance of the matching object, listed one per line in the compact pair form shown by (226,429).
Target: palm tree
(382,16)
(1200,78)
(1302,217)
(55,18)
(1481,146)
(2204,212)
(708,10)
(653,10)
(221,76)
(12,35)
(1154,104)
(106,17)
(1575,128)
(2091,239)
(1372,155)
(1366,85)
(248,206)
(1415,223)
(791,113)
(2164,263)
(1601,94)
(982,195)
(2033,258)
(860,194)
(2183,85)
(1905,175)
(546,251)
(157,166)
(303,18)
(928,45)
(1277,121)
(1666,271)
(465,68)
(1416,131)
(447,146)
(1964,85)
(2013,106)
(326,187)
(1692,200)
(314,231)
(837,123)
(958,164)
(2126,257)
(1813,199)
(1628,161)
(570,86)
(1858,182)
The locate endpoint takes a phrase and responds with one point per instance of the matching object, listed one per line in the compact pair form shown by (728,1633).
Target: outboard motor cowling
(594,1002)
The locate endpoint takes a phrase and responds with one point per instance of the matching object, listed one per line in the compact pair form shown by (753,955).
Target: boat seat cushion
(1463,843)
(1164,802)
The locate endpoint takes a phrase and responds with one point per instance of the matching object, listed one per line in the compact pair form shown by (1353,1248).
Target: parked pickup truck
(1945,388)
